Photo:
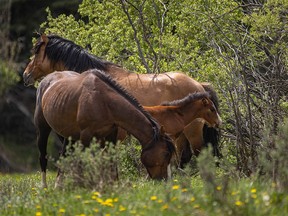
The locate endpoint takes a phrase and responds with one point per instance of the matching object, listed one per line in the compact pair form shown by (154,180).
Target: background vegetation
(239,46)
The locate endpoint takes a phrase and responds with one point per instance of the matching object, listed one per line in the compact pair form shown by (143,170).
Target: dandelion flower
(38,214)
(122,208)
(184,190)
(239,203)
(96,193)
(192,199)
(61,210)
(164,207)
(253,190)
(153,198)
(77,196)
(175,187)
(218,188)
(173,199)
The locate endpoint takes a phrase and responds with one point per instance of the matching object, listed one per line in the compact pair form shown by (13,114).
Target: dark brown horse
(91,104)
(174,116)
(55,53)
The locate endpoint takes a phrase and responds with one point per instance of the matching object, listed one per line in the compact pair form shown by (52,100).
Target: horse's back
(153,89)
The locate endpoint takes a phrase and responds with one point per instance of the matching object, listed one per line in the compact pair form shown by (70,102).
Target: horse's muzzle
(27,79)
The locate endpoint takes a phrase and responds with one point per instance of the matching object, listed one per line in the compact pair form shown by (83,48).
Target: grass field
(21,194)
(205,189)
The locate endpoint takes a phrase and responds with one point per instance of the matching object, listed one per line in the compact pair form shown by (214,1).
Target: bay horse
(174,116)
(92,104)
(54,53)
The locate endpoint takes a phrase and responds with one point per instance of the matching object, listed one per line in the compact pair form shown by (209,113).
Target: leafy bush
(273,160)
(92,167)
(97,167)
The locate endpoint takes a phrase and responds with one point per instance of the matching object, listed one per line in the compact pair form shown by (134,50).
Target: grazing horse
(53,53)
(175,115)
(92,104)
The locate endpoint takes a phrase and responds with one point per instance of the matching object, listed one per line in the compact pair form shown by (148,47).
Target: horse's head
(210,113)
(39,65)
(156,158)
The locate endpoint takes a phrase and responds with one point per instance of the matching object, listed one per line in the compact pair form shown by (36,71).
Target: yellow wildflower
(61,210)
(77,196)
(218,188)
(96,193)
(122,208)
(253,190)
(192,199)
(173,198)
(86,201)
(184,190)
(196,206)
(108,202)
(96,210)
(175,187)
(164,207)
(153,198)
(38,214)
(239,203)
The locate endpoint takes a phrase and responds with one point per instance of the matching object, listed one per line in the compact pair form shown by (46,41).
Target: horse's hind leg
(43,132)
(60,174)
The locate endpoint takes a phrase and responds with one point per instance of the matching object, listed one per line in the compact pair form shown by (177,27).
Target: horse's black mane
(188,99)
(73,56)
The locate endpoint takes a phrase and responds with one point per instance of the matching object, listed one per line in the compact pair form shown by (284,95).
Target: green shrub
(92,167)
(274,160)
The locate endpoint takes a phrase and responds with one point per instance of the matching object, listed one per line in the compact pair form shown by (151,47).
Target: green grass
(21,194)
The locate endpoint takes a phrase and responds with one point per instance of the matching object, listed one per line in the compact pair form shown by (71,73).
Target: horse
(92,104)
(54,53)
(175,115)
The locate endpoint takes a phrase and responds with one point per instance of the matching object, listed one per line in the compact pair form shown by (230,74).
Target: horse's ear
(205,101)
(44,38)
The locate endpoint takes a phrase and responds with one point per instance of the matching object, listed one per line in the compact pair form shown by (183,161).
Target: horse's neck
(137,124)
(190,112)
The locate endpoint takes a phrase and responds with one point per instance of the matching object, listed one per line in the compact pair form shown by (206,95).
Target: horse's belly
(65,127)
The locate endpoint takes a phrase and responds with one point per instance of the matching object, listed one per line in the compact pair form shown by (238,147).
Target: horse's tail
(211,135)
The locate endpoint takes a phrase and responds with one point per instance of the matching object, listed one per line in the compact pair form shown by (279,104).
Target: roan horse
(175,115)
(92,104)
(53,53)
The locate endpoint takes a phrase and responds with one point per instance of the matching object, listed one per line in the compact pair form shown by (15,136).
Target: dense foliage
(238,46)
